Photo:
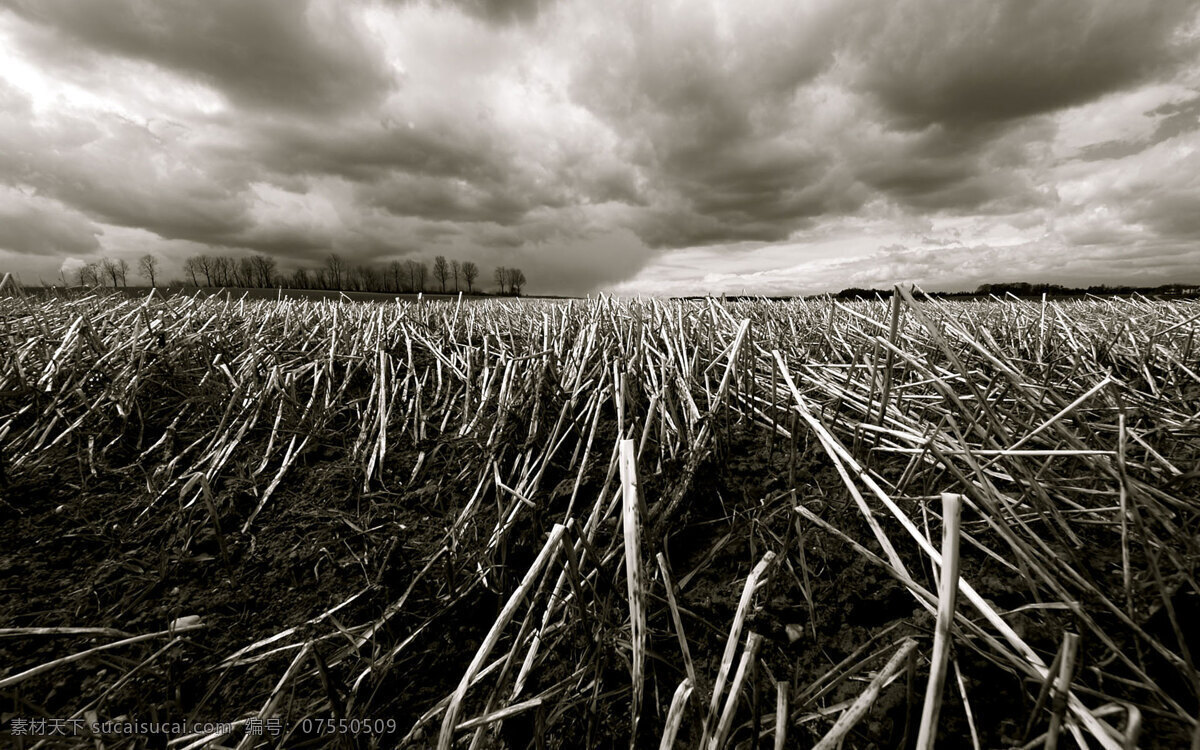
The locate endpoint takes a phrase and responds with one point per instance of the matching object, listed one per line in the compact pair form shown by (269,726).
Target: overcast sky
(638,147)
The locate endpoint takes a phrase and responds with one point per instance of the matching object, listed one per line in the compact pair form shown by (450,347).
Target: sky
(628,146)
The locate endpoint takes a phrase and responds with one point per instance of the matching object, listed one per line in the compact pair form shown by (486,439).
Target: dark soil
(81,549)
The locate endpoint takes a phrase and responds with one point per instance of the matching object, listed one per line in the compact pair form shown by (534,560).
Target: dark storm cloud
(926,170)
(367,151)
(596,259)
(120,173)
(196,211)
(962,170)
(449,200)
(1170,210)
(945,98)
(748,191)
(116,172)
(537,133)
(1176,216)
(978,194)
(971,61)
(438,171)
(707,120)
(1111,150)
(281,54)
(283,242)
(499,11)
(963,88)
(32,229)
(772,180)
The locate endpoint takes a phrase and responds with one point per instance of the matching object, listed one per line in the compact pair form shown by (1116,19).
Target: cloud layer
(662,147)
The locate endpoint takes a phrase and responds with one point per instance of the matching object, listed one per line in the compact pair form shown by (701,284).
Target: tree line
(1024,289)
(413,275)
(115,271)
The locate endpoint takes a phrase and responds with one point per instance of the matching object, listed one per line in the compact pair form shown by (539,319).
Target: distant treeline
(1022,289)
(262,271)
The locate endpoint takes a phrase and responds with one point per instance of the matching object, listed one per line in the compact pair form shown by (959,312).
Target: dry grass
(562,443)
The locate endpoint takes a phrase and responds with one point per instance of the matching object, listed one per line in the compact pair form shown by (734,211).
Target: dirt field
(542,523)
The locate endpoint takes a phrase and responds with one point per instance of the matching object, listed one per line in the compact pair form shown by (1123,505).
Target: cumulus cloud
(706,100)
(655,147)
(970,61)
(298,55)
(34,226)
(121,173)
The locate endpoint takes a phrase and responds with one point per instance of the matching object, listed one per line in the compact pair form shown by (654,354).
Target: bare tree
(300,279)
(454,268)
(204,264)
(396,274)
(516,280)
(337,270)
(409,276)
(191,267)
(441,270)
(148,267)
(470,272)
(218,269)
(110,270)
(417,274)
(264,270)
(501,277)
(223,270)
(89,274)
(245,272)
(367,278)
(422,275)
